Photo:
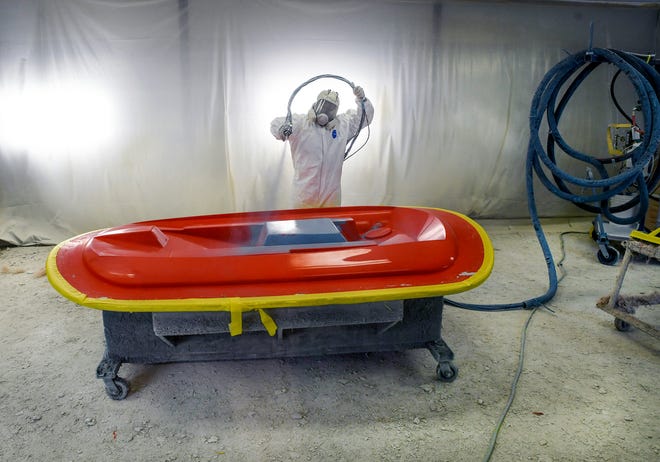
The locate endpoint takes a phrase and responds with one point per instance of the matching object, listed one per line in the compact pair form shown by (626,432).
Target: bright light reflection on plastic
(433,229)
(342,258)
(282,226)
(73,116)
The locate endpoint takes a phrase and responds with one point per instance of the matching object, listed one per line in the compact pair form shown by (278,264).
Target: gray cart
(151,338)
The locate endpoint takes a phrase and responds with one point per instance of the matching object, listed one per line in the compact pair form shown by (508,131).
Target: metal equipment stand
(623,308)
(150,338)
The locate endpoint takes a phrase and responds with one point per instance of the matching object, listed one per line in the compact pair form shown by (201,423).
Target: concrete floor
(586,392)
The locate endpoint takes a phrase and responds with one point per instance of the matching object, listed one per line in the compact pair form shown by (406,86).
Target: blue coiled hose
(545,106)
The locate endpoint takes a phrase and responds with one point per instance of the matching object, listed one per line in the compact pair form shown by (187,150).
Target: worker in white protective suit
(318,144)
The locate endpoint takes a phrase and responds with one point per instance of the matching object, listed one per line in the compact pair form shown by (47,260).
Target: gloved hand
(359,93)
(285,131)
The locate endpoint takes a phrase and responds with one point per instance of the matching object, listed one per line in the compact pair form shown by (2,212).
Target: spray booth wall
(119,111)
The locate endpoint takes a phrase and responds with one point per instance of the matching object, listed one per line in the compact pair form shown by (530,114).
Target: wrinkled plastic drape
(119,111)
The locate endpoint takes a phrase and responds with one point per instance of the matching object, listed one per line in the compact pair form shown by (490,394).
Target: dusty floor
(587,391)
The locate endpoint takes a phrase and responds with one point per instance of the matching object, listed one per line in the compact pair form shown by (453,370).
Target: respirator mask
(325,108)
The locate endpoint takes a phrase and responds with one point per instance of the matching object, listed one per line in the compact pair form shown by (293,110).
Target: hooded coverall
(318,155)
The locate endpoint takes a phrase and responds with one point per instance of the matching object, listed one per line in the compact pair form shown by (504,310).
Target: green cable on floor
(521,357)
(493,439)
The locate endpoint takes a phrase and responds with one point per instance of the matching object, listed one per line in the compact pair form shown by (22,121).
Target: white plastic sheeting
(118,111)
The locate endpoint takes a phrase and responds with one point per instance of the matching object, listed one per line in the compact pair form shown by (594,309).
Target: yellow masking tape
(268,322)
(236,324)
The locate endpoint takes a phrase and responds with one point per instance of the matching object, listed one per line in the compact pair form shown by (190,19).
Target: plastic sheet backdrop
(113,112)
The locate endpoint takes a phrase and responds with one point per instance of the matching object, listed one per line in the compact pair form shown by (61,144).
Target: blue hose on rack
(540,160)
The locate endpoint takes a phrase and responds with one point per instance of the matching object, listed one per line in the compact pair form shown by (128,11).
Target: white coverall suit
(318,155)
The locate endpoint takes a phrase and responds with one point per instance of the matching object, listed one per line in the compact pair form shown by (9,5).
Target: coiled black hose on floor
(548,107)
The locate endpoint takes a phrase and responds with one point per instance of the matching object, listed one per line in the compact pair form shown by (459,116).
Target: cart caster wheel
(446,372)
(120,389)
(612,257)
(621,325)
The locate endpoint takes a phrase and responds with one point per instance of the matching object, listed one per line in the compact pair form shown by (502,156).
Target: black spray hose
(289,117)
(545,107)
(649,59)
(615,101)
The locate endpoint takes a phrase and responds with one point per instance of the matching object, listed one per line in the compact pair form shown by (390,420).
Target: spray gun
(287,128)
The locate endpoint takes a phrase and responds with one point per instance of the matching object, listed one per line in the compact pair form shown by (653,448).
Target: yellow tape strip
(268,322)
(236,324)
